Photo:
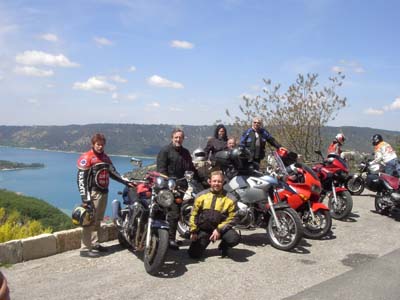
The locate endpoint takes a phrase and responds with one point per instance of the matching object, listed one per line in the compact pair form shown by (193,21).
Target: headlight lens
(160,183)
(171,184)
(165,198)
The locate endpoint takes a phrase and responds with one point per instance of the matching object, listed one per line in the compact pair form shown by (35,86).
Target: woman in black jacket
(217,142)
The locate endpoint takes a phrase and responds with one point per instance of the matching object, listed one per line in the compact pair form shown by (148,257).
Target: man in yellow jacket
(212,219)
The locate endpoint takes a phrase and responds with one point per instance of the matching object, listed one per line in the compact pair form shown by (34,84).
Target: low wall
(43,245)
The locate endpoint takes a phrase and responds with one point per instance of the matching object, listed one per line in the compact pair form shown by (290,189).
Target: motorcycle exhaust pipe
(116,210)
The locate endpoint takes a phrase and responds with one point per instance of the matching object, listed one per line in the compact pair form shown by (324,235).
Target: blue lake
(56,182)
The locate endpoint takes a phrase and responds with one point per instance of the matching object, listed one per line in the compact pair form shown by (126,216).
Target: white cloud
(132,69)
(359,70)
(395,105)
(119,79)
(338,69)
(158,81)
(102,41)
(131,97)
(33,101)
(154,105)
(33,71)
(181,44)
(175,109)
(50,37)
(41,58)
(114,96)
(95,84)
(374,112)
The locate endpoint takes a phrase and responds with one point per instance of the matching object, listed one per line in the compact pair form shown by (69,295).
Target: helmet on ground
(340,138)
(199,155)
(82,216)
(376,139)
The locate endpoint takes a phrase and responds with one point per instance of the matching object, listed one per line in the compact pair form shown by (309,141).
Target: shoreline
(75,152)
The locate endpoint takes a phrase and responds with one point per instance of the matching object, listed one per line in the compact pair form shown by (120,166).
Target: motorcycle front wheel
(320,226)
(154,255)
(342,207)
(381,206)
(287,234)
(355,185)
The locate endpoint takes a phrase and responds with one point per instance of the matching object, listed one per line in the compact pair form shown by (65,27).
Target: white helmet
(199,155)
(340,138)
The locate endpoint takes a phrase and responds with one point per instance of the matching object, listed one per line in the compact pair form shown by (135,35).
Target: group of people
(214,210)
(383,152)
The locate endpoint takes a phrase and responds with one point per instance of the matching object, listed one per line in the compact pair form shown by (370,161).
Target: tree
(295,118)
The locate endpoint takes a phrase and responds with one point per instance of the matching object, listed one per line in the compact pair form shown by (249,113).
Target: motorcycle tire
(154,255)
(291,230)
(355,185)
(343,207)
(183,223)
(380,206)
(321,226)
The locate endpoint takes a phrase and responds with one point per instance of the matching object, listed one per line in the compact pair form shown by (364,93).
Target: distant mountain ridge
(146,140)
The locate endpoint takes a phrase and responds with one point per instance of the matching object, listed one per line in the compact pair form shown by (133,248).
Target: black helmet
(376,139)
(82,216)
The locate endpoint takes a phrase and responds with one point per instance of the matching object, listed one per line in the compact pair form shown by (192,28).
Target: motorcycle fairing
(251,195)
(237,182)
(316,206)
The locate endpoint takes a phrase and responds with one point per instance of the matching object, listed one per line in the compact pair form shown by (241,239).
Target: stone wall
(43,245)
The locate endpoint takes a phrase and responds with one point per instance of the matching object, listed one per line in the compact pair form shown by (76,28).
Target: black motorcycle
(142,224)
(364,178)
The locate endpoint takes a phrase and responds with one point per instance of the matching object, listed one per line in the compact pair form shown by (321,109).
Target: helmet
(82,216)
(340,138)
(199,155)
(376,139)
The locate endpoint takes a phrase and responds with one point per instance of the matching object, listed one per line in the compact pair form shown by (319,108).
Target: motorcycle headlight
(171,184)
(165,198)
(160,183)
(315,189)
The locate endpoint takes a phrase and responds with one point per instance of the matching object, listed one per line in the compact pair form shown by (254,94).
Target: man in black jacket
(173,160)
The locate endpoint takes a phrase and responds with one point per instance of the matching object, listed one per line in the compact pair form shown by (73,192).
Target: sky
(185,62)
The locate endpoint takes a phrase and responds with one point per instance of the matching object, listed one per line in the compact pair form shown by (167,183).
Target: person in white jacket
(385,155)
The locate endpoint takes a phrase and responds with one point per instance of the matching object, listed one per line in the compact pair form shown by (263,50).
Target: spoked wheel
(183,223)
(122,241)
(342,207)
(320,226)
(154,255)
(287,234)
(355,185)
(381,205)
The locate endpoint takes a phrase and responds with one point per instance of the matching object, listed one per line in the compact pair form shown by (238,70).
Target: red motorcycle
(333,172)
(302,190)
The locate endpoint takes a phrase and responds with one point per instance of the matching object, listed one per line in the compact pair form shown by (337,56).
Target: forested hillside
(146,140)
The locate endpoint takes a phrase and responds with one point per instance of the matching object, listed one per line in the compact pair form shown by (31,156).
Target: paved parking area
(255,270)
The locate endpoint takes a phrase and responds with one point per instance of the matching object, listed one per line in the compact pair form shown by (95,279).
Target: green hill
(35,209)
(146,140)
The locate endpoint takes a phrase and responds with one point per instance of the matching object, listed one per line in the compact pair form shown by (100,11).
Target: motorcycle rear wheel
(321,226)
(291,230)
(342,208)
(154,255)
(355,185)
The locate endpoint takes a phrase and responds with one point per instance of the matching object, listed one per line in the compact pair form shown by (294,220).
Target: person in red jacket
(94,171)
(336,145)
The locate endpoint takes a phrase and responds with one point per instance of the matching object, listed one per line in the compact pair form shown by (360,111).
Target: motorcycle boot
(224,249)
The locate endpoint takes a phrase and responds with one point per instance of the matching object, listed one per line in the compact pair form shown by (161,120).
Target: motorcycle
(387,188)
(333,172)
(255,193)
(357,182)
(302,190)
(142,223)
